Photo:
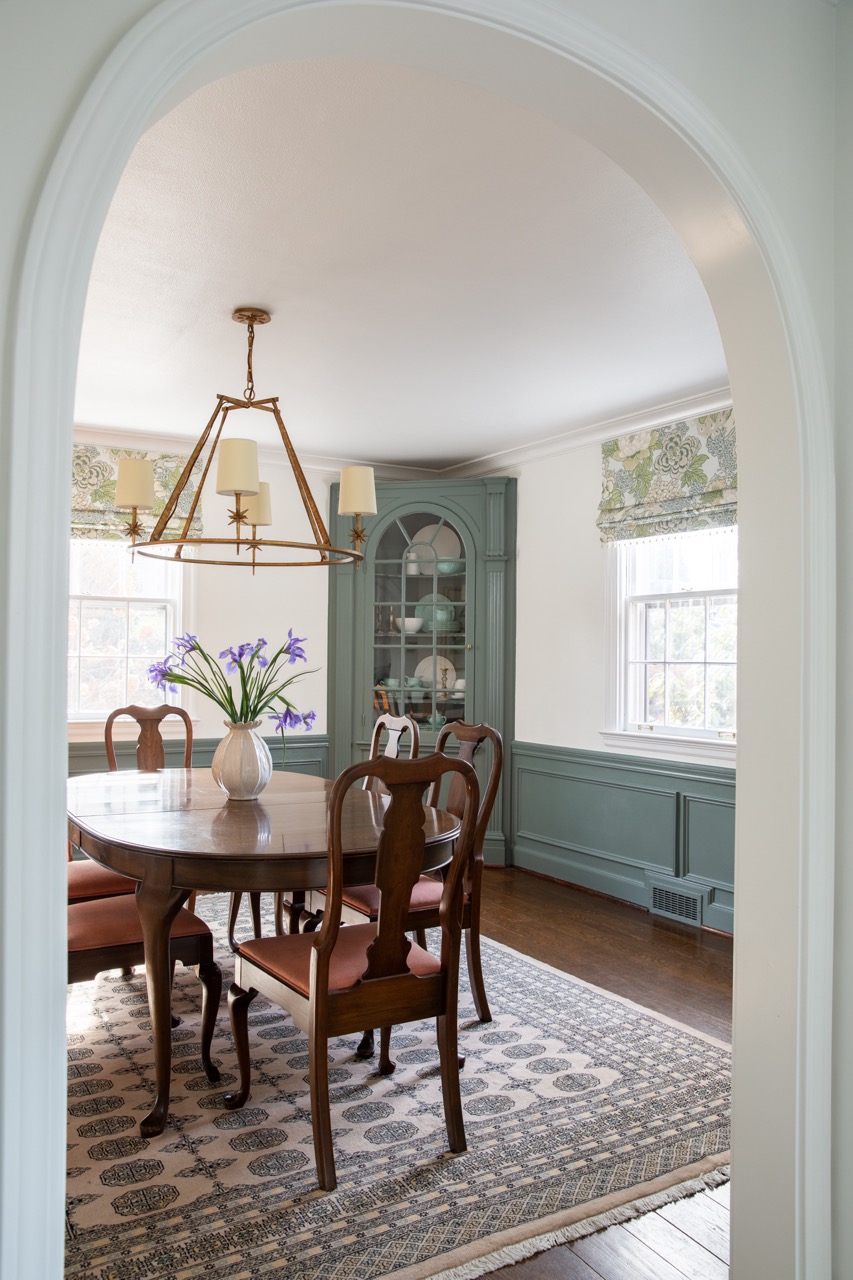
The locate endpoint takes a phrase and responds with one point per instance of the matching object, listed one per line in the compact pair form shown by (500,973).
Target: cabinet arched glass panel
(421,624)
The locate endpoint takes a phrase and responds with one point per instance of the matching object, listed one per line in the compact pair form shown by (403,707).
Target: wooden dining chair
(339,979)
(361,902)
(106,933)
(388,731)
(150,751)
(87,879)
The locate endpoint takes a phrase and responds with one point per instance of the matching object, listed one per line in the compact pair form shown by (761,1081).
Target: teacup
(390,682)
(459,684)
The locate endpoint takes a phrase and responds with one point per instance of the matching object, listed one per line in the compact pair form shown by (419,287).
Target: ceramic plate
(442,540)
(426,608)
(443,674)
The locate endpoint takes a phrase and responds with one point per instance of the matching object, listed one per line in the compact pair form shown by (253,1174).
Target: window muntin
(122,614)
(680,634)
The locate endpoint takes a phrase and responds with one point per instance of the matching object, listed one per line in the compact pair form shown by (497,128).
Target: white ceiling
(450,275)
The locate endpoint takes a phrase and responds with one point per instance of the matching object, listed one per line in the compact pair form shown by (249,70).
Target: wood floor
(672,968)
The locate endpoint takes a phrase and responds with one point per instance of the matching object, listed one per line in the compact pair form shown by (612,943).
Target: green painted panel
(606,818)
(709,840)
(304,755)
(618,824)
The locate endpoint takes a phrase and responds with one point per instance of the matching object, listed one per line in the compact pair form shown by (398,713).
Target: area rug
(576,1104)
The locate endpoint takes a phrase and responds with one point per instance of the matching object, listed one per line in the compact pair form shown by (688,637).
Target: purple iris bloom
(184,644)
(289,719)
(159,674)
(293,648)
(257,648)
(309,718)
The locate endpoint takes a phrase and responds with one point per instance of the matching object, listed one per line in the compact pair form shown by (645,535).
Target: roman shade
(94,471)
(669,479)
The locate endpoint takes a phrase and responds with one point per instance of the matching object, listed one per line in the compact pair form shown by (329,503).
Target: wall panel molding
(650,831)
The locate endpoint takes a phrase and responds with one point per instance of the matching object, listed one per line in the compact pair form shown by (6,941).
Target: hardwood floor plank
(680,971)
(617,1255)
(704,1220)
(680,1250)
(559,1263)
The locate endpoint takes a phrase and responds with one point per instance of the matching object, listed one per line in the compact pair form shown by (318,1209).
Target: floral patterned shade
(670,479)
(94,472)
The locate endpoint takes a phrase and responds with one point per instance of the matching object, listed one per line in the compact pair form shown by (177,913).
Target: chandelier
(237,477)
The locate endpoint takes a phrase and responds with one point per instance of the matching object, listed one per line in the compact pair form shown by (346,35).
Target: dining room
(537,629)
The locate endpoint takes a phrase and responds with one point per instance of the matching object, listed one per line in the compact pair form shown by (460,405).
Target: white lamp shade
(238,467)
(358,492)
(257,507)
(135,484)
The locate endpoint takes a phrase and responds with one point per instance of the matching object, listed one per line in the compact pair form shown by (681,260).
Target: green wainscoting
(305,754)
(654,832)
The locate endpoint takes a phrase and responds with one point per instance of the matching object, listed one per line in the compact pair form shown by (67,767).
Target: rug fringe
(523,1249)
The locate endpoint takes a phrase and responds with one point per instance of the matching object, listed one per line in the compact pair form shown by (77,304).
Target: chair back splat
(339,980)
(150,752)
(392,728)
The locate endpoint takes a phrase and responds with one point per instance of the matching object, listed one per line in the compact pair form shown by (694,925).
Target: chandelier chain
(249,393)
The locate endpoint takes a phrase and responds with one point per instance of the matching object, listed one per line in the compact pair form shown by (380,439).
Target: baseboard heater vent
(675,905)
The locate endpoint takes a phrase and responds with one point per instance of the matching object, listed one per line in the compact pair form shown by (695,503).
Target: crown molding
(593,433)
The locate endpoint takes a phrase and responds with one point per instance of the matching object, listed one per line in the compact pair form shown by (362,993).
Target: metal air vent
(676,905)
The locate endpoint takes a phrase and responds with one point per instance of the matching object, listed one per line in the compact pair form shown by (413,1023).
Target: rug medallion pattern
(569,1095)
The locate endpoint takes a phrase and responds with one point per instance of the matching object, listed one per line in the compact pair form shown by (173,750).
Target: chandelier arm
(172,500)
(197,495)
(321,535)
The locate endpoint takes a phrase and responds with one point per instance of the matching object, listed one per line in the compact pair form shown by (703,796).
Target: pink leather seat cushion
(108,922)
(288,959)
(88,879)
(426,896)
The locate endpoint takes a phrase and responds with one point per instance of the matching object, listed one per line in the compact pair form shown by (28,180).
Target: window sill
(124,730)
(663,747)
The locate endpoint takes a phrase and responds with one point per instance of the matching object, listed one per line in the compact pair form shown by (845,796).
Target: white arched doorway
(620,102)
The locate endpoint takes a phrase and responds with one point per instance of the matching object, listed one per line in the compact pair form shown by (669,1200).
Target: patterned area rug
(576,1102)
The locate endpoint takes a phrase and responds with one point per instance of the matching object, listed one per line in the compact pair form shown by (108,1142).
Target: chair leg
(233,912)
(366,1045)
(475,975)
(255,907)
(238,1007)
(420,938)
(210,977)
(386,1066)
(451,1095)
(292,909)
(321,1119)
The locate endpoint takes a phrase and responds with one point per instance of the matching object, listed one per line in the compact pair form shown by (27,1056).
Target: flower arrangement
(262,680)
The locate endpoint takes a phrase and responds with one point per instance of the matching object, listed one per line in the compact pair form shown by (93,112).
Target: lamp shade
(358,492)
(135,484)
(238,467)
(257,506)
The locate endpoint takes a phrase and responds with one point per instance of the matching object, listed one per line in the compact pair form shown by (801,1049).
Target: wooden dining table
(174,831)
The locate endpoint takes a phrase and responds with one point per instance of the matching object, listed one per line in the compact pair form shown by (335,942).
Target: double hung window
(122,615)
(674,607)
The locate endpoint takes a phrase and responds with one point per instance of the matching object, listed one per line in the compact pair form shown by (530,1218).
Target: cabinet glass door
(421,622)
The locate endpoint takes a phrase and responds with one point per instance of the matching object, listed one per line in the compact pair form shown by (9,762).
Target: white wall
(560,627)
(232,606)
(750,87)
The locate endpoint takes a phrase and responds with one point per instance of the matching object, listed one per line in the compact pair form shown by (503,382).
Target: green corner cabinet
(425,626)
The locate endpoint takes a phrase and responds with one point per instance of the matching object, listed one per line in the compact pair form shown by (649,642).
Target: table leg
(159,902)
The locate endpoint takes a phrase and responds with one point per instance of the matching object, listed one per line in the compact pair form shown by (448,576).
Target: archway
(620,103)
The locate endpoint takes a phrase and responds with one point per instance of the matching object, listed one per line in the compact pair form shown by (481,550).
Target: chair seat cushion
(88,879)
(114,922)
(426,895)
(288,958)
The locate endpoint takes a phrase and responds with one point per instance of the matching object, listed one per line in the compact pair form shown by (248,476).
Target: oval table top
(127,820)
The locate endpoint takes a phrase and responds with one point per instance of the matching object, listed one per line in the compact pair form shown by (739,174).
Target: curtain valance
(669,479)
(93,485)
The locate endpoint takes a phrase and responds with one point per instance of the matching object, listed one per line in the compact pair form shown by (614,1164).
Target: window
(674,624)
(122,615)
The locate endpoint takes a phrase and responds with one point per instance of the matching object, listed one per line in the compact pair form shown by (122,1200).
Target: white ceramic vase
(242,764)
